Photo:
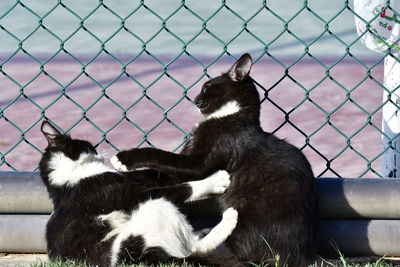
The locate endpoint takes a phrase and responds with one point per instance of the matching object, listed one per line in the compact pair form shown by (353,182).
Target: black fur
(272,182)
(74,230)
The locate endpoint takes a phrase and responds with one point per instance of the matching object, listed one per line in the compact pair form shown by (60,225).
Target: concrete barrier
(23,192)
(26,234)
(360,216)
(23,233)
(356,198)
(359,237)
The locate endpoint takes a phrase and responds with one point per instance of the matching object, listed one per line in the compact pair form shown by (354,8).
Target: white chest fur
(227,109)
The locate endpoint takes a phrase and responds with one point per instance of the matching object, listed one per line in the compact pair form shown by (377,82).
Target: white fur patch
(227,109)
(216,183)
(159,223)
(65,171)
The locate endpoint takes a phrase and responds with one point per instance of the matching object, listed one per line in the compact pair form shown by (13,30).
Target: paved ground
(308,92)
(21,260)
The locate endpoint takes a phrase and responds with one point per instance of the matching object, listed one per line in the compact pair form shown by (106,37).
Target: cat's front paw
(117,164)
(219,182)
(230,219)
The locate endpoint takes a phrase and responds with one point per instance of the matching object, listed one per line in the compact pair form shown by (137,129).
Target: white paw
(115,218)
(117,164)
(230,218)
(219,182)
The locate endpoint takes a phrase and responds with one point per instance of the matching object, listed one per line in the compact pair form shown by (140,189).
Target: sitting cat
(105,217)
(272,182)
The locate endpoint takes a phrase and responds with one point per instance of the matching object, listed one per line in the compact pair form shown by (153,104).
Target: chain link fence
(124,74)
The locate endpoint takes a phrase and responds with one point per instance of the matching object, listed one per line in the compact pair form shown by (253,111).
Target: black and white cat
(272,182)
(105,217)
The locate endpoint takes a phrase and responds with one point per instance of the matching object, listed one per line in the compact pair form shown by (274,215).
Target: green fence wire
(86,33)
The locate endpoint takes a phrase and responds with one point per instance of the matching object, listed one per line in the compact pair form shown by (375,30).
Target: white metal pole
(378,24)
(391,119)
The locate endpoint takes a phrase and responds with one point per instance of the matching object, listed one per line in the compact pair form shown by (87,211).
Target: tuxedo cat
(105,217)
(272,184)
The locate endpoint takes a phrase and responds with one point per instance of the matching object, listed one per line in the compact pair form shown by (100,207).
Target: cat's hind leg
(159,224)
(218,234)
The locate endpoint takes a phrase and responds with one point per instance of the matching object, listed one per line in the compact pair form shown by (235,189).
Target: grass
(340,259)
(74,264)
(344,263)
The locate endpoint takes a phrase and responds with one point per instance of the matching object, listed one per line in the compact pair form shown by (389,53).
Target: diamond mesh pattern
(89,70)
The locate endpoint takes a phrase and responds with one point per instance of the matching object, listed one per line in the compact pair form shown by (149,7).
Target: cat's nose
(197,101)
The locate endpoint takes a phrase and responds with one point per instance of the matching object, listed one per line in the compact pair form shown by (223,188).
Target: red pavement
(165,91)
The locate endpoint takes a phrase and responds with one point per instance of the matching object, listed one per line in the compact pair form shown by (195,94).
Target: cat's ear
(50,132)
(241,69)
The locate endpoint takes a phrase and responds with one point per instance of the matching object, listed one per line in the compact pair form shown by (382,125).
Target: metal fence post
(391,119)
(379,29)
